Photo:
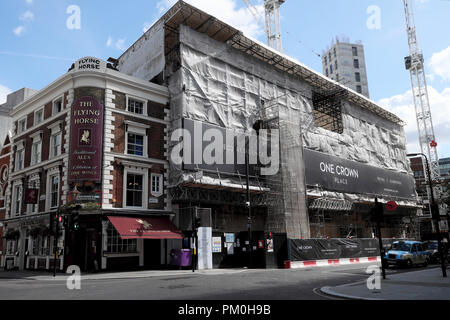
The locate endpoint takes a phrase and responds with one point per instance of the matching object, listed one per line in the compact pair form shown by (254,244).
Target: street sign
(391,206)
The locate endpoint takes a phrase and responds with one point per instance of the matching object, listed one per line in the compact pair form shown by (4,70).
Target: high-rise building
(345,63)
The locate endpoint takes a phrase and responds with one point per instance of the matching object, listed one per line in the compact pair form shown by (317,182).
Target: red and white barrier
(327,263)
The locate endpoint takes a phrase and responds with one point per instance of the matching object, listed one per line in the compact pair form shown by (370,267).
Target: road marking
(318,292)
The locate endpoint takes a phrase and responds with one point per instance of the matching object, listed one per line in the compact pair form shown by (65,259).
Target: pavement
(426,284)
(45,276)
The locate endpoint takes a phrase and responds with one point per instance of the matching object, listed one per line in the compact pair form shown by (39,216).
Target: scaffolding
(218,76)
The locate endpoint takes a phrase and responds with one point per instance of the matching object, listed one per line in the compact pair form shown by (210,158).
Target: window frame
(34,183)
(114,241)
(60,98)
(137,129)
(19,124)
(359,89)
(19,159)
(136,171)
(36,139)
(160,184)
(136,99)
(41,110)
(49,191)
(17,204)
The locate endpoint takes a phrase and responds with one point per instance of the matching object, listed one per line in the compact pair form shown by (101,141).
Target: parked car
(407,253)
(431,247)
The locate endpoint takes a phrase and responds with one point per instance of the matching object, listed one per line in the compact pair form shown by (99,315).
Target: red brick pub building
(97,139)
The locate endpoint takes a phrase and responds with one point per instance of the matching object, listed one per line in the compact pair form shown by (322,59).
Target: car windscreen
(431,245)
(401,246)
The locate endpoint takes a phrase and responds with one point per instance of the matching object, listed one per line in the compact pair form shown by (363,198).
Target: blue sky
(37,47)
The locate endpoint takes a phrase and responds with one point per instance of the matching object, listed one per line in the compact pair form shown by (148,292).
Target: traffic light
(66,222)
(75,221)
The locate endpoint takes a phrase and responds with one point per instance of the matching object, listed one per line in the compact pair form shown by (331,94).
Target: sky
(40,39)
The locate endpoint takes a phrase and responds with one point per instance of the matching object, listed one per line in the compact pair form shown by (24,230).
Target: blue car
(407,254)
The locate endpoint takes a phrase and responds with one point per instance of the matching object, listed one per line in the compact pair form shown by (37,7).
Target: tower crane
(272,21)
(415,64)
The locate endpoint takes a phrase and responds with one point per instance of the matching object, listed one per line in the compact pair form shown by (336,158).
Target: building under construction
(338,150)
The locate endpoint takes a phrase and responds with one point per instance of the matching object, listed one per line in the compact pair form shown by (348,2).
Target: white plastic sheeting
(145,59)
(226,87)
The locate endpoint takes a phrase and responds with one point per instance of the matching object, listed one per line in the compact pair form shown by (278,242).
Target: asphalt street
(236,285)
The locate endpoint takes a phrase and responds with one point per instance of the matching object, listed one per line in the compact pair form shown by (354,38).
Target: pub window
(20,154)
(157,185)
(21,126)
(43,246)
(17,196)
(39,117)
(55,145)
(115,244)
(36,149)
(33,208)
(135,145)
(54,191)
(327,112)
(136,106)
(134,190)
(136,139)
(10,244)
(34,245)
(57,106)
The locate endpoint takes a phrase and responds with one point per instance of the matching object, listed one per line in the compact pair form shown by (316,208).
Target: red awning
(145,228)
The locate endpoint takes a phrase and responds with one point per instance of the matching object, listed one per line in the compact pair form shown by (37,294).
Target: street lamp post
(434,213)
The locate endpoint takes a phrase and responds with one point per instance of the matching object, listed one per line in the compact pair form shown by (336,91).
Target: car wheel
(425,264)
(409,264)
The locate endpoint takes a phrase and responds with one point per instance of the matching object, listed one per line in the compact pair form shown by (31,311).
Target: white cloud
(19,30)
(27,16)
(29,1)
(403,106)
(118,44)
(440,64)
(228,11)
(4,91)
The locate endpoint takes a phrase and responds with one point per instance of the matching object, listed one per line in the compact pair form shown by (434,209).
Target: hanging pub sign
(86,138)
(31,196)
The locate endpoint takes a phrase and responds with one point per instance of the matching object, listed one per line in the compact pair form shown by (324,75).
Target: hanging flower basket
(46,231)
(35,232)
(12,235)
